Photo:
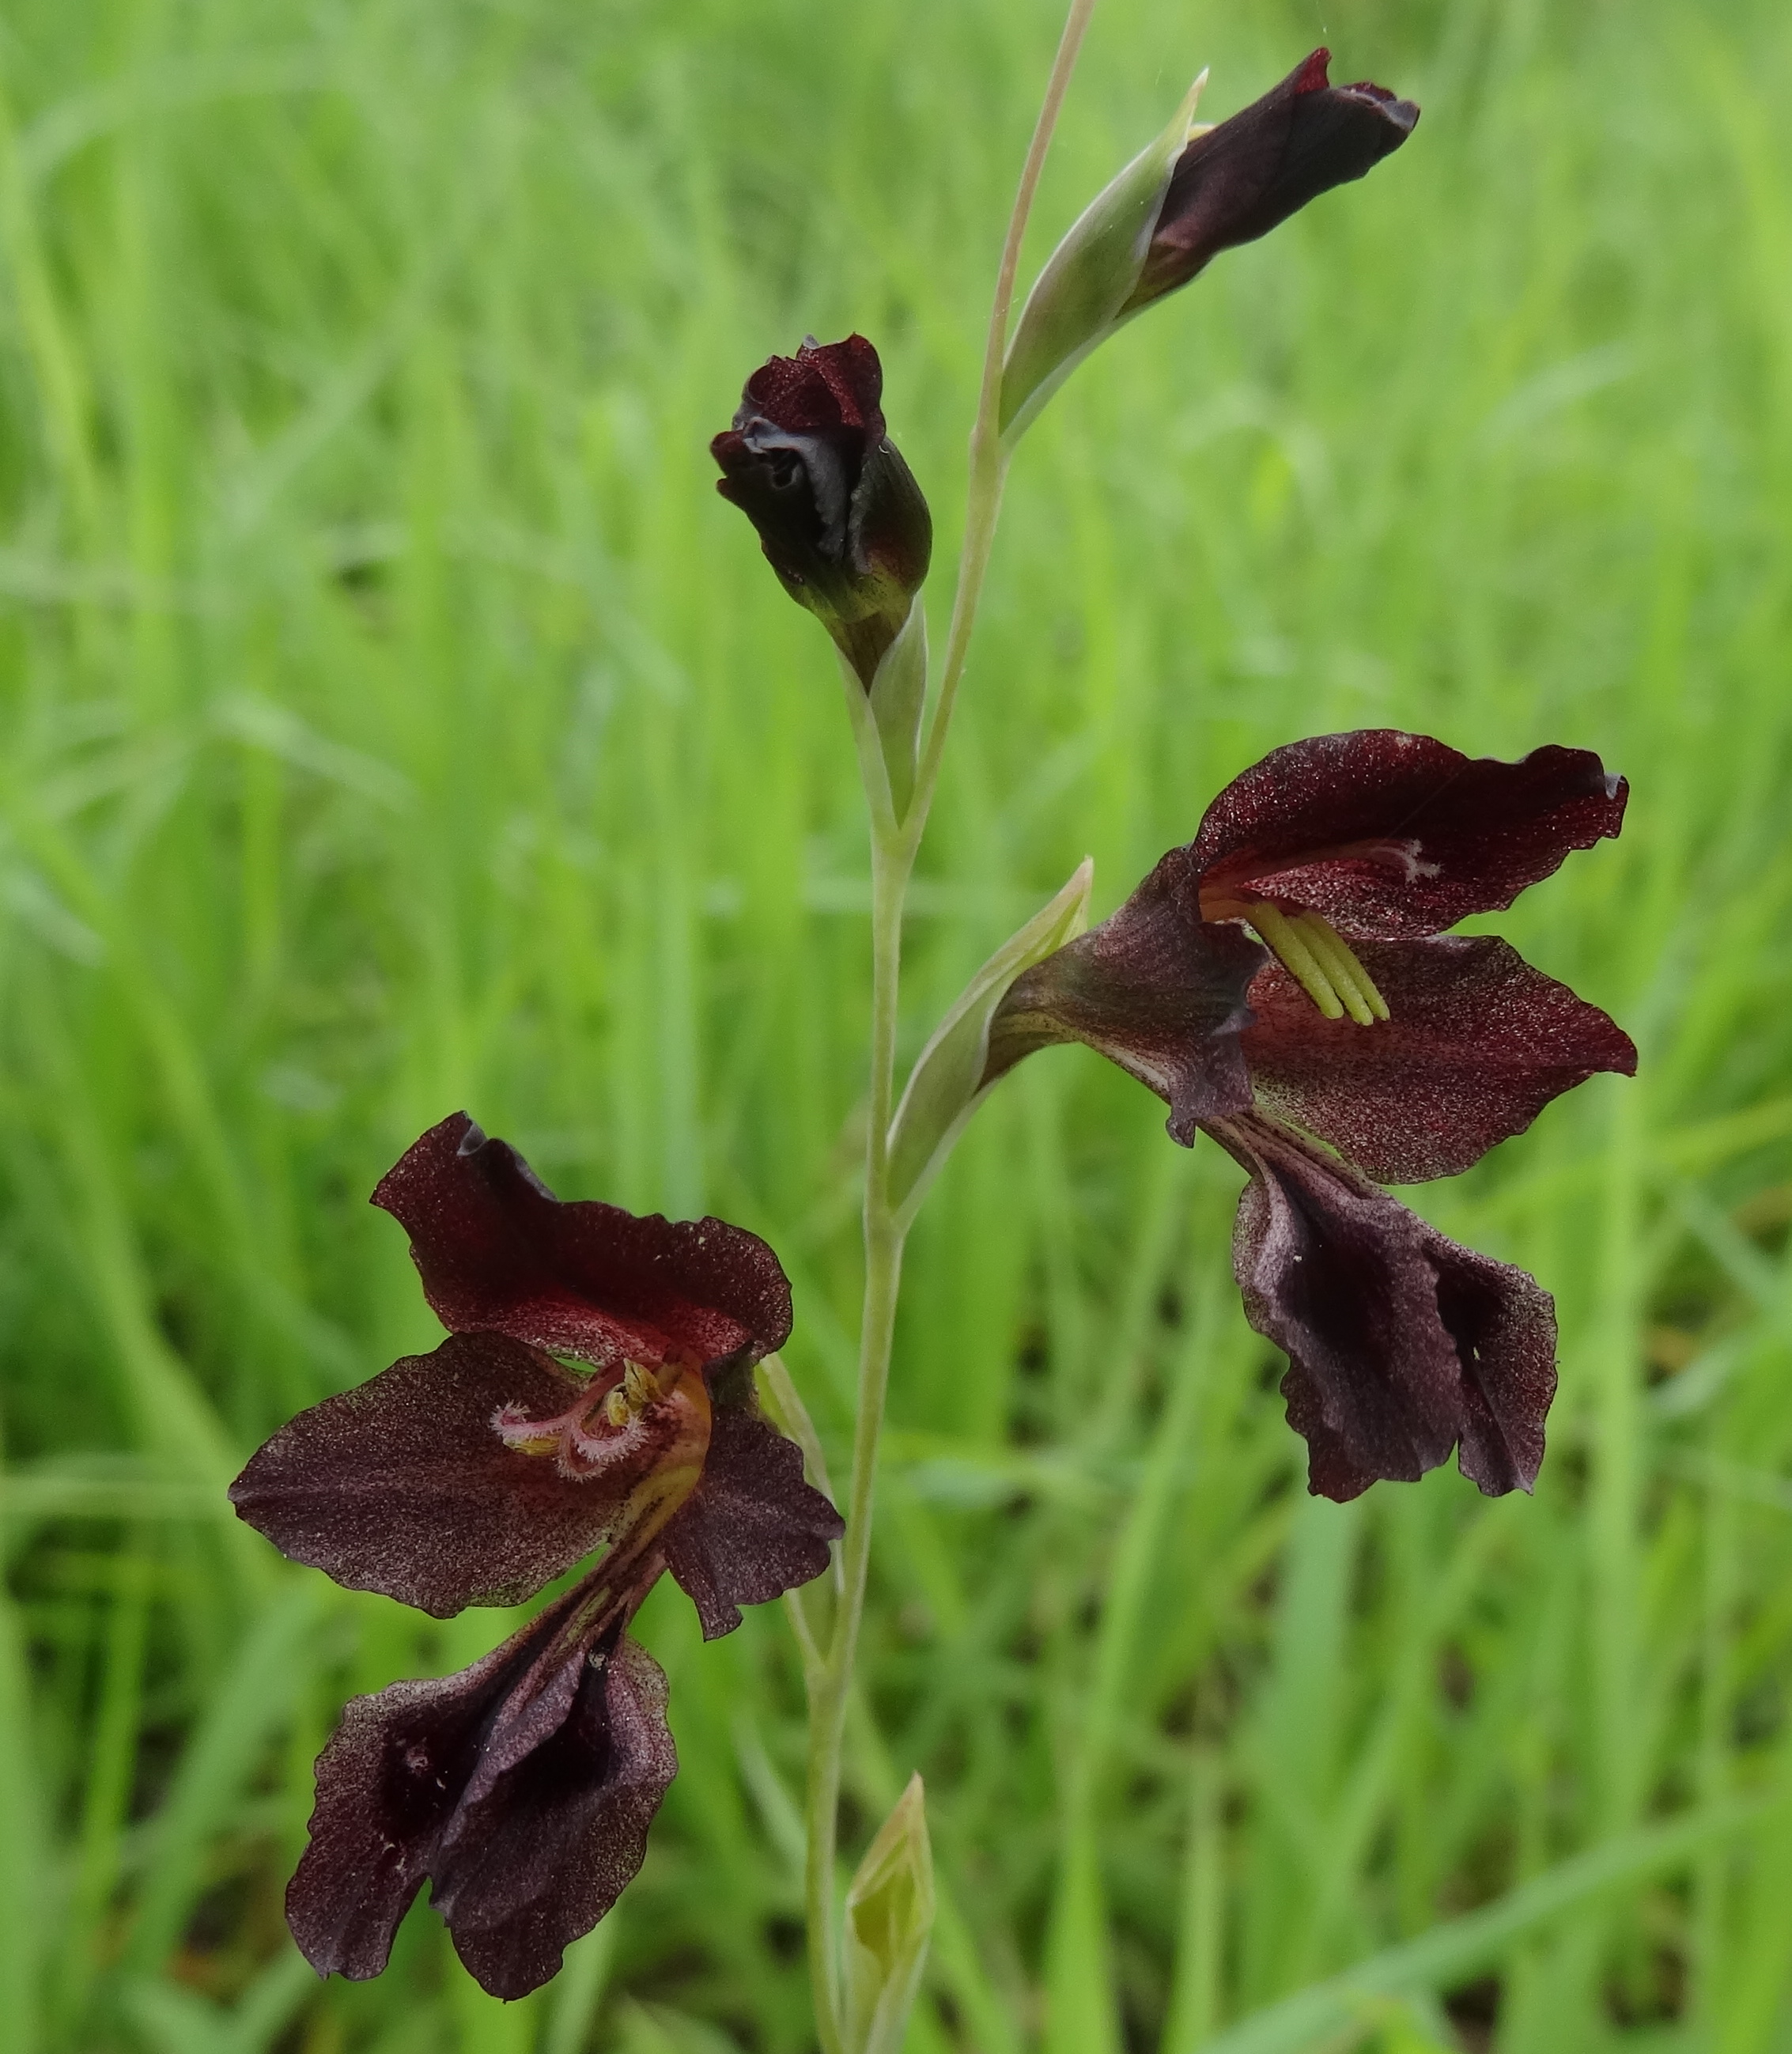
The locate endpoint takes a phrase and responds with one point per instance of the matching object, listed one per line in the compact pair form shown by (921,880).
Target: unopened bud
(1177,206)
(889,1919)
(840,517)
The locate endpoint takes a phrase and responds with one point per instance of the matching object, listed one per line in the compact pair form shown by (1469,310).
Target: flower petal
(1401,1343)
(524,1786)
(1477,1044)
(388,1782)
(753,1528)
(1392,836)
(403,1485)
(1237,181)
(551,1841)
(1154,989)
(499,1252)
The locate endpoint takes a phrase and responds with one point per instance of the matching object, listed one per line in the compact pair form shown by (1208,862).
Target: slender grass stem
(893,849)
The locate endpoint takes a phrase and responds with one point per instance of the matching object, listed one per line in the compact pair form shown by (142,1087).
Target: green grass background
(395,720)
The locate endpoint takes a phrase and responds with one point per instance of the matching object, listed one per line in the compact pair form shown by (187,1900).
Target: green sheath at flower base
(1076,302)
(889,1918)
(951,1073)
(898,693)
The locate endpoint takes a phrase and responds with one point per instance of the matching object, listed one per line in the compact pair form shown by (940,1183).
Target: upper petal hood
(1154,990)
(1401,1344)
(1391,836)
(499,1252)
(1478,1043)
(1239,180)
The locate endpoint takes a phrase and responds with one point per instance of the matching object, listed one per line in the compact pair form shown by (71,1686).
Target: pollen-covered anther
(1321,961)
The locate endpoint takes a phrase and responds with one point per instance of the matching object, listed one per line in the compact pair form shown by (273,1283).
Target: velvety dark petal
(498,1253)
(1477,1044)
(1153,988)
(1401,1343)
(840,517)
(1248,175)
(1504,1326)
(542,1848)
(1392,836)
(388,1782)
(403,1485)
(753,1528)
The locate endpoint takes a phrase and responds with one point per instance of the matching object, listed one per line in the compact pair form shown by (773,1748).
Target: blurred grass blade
(254,1698)
(1453,1951)
(24,1854)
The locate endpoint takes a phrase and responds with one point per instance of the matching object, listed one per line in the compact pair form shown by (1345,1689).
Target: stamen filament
(1339,965)
(1345,967)
(1278,931)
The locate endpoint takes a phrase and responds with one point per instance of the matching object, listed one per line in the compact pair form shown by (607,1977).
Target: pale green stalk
(894,848)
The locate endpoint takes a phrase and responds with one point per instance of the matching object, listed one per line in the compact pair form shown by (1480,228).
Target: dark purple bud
(523,1787)
(1389,835)
(498,1253)
(840,517)
(1154,989)
(1477,1043)
(1239,180)
(1401,1344)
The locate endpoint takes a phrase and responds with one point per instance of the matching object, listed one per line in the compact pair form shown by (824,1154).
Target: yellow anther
(617,1409)
(1296,958)
(1325,965)
(1349,979)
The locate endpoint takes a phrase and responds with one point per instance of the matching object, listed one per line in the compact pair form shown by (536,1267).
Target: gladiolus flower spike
(1352,1040)
(596,1389)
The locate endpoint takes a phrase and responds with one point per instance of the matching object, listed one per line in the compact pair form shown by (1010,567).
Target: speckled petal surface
(538,1855)
(523,1787)
(388,1782)
(1392,836)
(1479,1042)
(753,1528)
(1400,1345)
(403,1485)
(498,1253)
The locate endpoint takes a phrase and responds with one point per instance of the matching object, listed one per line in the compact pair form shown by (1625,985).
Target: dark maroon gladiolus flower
(1408,1052)
(840,517)
(1245,176)
(523,1787)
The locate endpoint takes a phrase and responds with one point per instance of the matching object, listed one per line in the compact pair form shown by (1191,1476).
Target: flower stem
(893,849)
(989,459)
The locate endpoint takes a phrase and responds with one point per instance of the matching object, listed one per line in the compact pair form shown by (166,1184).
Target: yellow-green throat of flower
(1321,961)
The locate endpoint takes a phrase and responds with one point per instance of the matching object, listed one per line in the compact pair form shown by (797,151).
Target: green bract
(1076,301)
(889,1919)
(947,1081)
